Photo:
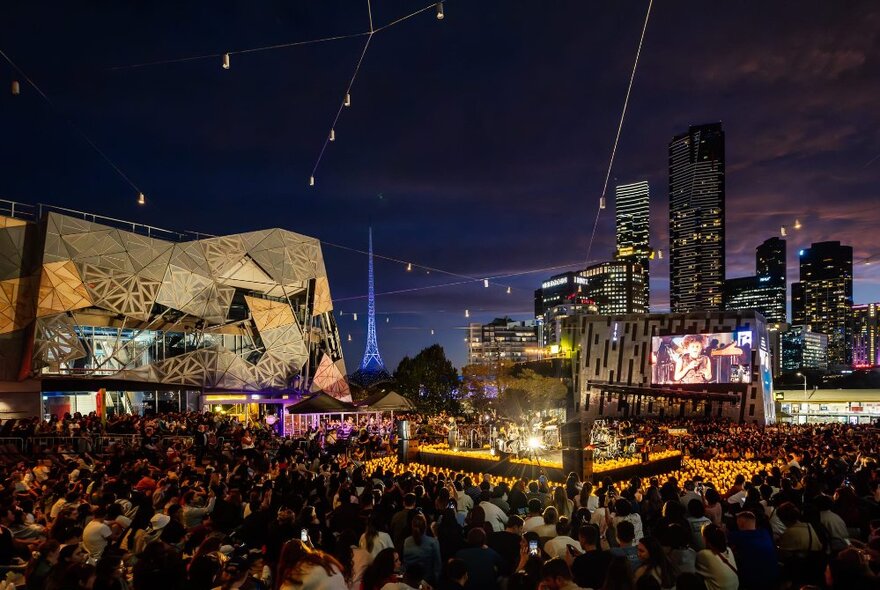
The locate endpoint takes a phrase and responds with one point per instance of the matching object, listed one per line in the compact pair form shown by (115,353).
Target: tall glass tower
(632,213)
(696,219)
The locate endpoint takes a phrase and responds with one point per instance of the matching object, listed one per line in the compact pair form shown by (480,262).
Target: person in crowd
(424,550)
(655,563)
(483,563)
(588,568)
(302,568)
(626,539)
(716,563)
(559,544)
(755,553)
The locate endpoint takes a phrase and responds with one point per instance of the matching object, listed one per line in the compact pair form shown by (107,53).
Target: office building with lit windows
(765,291)
(616,287)
(560,296)
(804,350)
(866,336)
(632,219)
(502,340)
(696,219)
(823,298)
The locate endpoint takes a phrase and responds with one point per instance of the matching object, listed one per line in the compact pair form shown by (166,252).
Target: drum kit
(612,440)
(525,438)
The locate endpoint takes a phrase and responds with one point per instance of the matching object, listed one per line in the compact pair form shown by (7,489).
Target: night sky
(486,134)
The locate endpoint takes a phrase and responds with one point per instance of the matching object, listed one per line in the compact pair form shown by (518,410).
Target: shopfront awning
(321,403)
(386,401)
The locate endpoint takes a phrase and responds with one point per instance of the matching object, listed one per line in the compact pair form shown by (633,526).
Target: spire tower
(372,363)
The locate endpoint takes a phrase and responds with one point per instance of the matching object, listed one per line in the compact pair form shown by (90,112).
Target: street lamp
(805,384)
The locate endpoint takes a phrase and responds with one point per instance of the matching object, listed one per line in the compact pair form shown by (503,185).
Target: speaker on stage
(572,435)
(573,460)
(403,441)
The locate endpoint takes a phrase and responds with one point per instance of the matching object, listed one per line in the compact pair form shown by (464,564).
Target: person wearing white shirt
(716,564)
(494,515)
(97,534)
(535,519)
(832,522)
(373,540)
(558,545)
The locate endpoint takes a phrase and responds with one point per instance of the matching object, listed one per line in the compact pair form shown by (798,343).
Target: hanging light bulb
(355,316)
(387,319)
(347,101)
(142,200)
(508,290)
(332,135)
(467,313)
(225,61)
(349,337)
(311,181)
(408,266)
(602,202)
(432,332)
(486,283)
(797,224)
(16,88)
(782,231)
(440,14)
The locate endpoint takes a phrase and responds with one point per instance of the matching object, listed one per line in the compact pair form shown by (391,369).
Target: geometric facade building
(96,301)
(696,219)
(701,365)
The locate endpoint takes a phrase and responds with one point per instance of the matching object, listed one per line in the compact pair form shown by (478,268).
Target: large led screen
(702,358)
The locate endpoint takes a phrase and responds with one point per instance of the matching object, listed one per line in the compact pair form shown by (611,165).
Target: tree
(478,386)
(429,380)
(528,390)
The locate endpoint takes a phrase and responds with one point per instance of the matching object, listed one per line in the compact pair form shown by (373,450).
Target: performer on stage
(692,366)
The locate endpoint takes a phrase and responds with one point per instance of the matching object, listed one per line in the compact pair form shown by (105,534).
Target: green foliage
(429,380)
(530,391)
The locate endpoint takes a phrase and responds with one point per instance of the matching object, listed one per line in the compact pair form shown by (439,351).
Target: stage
(550,463)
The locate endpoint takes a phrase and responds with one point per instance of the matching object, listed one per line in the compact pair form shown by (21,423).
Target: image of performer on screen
(692,366)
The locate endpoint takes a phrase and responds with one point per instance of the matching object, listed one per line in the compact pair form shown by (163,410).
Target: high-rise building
(632,209)
(616,287)
(866,335)
(823,299)
(803,349)
(560,296)
(696,219)
(502,340)
(764,292)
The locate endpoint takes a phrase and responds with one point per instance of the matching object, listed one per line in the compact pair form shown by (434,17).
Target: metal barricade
(17,443)
(40,441)
(186,441)
(103,440)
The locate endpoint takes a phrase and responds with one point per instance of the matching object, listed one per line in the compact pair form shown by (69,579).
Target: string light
(467,313)
(332,135)
(602,202)
(408,266)
(432,332)
(355,316)
(508,290)
(225,61)
(16,88)
(440,14)
(797,224)
(349,337)
(387,319)
(142,200)
(347,101)
(486,283)
(782,231)
(311,181)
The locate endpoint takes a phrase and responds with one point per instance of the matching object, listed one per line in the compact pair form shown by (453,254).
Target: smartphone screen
(304,535)
(533,547)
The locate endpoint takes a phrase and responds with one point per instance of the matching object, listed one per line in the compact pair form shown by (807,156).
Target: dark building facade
(696,219)
(823,298)
(803,349)
(632,209)
(502,340)
(765,291)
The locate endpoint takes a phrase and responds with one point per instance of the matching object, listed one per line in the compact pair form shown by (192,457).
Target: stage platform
(547,462)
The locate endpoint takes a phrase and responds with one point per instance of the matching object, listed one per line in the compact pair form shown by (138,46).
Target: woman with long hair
(422,549)
(716,562)
(300,568)
(382,571)
(572,486)
(374,538)
(354,560)
(563,505)
(206,563)
(448,533)
(586,499)
(655,563)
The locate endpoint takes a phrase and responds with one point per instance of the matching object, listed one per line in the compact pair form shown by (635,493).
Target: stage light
(534,443)
(225,61)
(492,451)
(440,14)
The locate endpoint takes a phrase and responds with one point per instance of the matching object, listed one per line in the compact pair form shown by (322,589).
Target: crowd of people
(265,512)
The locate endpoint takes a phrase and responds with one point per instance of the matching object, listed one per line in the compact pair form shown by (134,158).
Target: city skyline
(489,161)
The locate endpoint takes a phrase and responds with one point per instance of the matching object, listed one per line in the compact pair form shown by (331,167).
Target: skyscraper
(764,292)
(696,219)
(866,335)
(632,208)
(823,299)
